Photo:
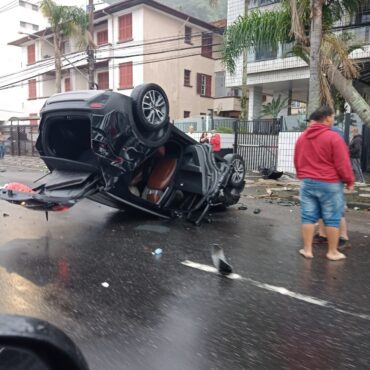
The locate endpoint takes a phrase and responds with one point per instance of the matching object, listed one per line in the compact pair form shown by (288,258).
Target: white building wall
(129,51)
(11,103)
(287,141)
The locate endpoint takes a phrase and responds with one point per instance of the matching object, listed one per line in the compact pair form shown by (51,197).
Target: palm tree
(328,53)
(274,107)
(65,21)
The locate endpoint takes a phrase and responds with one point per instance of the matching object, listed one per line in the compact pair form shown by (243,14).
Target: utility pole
(90,48)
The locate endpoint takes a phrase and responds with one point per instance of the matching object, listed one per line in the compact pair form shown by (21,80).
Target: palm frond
(334,50)
(257,29)
(299,12)
(300,51)
(274,107)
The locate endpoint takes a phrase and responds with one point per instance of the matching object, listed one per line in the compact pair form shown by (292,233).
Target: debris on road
(219,260)
(157,252)
(356,208)
(5,215)
(242,207)
(257,211)
(270,173)
(105,285)
(286,203)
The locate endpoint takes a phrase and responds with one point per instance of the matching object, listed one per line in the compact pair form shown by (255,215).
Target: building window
(207,45)
(32,94)
(204,85)
(31,55)
(125,75)
(187,76)
(35,7)
(188,35)
(66,47)
(67,84)
(23,24)
(103,80)
(102,37)
(22,3)
(35,27)
(33,122)
(125,27)
(186,114)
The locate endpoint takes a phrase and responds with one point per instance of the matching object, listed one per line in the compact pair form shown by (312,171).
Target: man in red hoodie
(322,162)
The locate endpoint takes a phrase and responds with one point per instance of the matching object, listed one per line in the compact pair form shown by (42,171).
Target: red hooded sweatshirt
(321,154)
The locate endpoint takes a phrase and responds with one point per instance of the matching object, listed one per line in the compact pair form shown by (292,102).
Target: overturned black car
(124,152)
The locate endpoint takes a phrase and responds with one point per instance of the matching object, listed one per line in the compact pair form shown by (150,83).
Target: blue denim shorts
(321,200)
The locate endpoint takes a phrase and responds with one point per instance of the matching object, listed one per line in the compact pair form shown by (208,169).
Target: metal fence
(257,142)
(20,136)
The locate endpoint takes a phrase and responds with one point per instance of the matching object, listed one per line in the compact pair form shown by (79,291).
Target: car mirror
(32,344)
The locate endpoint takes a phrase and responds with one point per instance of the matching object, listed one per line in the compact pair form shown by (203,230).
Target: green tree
(326,53)
(65,21)
(274,107)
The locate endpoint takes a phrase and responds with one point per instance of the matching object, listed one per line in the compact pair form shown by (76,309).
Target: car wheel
(150,107)
(237,175)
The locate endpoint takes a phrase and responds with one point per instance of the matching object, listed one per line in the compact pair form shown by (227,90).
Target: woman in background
(204,138)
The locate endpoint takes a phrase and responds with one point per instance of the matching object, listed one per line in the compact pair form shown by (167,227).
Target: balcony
(260,3)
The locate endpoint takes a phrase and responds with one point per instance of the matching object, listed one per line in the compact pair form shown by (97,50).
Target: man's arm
(342,161)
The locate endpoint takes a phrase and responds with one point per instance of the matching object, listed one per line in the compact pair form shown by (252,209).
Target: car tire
(237,175)
(154,139)
(150,107)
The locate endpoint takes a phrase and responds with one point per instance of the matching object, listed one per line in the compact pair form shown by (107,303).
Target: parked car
(124,152)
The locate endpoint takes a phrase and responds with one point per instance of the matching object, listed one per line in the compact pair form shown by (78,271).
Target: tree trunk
(314,98)
(350,94)
(244,98)
(58,61)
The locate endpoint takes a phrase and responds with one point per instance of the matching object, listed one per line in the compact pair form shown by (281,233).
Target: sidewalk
(22,163)
(285,191)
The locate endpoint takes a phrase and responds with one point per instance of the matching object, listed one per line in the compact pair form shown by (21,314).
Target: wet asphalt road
(160,315)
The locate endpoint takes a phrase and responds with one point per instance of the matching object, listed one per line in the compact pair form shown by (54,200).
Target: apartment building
(17,17)
(271,73)
(138,41)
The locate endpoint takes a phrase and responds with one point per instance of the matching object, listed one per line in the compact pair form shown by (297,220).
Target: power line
(21,83)
(160,41)
(117,57)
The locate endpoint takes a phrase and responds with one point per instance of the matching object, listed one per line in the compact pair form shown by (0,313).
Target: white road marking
(276,289)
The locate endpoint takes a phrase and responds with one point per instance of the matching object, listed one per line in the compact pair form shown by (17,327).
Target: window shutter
(199,83)
(33,122)
(209,86)
(31,57)
(126,75)
(32,89)
(103,80)
(125,27)
(67,84)
(102,37)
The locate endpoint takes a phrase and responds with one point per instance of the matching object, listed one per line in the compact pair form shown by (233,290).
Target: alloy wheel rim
(238,170)
(154,107)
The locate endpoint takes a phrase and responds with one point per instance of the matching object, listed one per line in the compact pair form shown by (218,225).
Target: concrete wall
(286,146)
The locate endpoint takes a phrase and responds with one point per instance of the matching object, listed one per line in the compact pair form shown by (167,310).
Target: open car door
(66,184)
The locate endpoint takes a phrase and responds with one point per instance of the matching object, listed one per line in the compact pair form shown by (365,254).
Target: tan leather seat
(160,178)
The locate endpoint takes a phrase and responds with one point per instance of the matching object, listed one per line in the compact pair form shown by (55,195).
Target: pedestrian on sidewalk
(2,146)
(355,150)
(322,163)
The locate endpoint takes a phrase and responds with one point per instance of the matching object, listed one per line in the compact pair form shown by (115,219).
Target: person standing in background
(355,151)
(204,138)
(215,141)
(2,146)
